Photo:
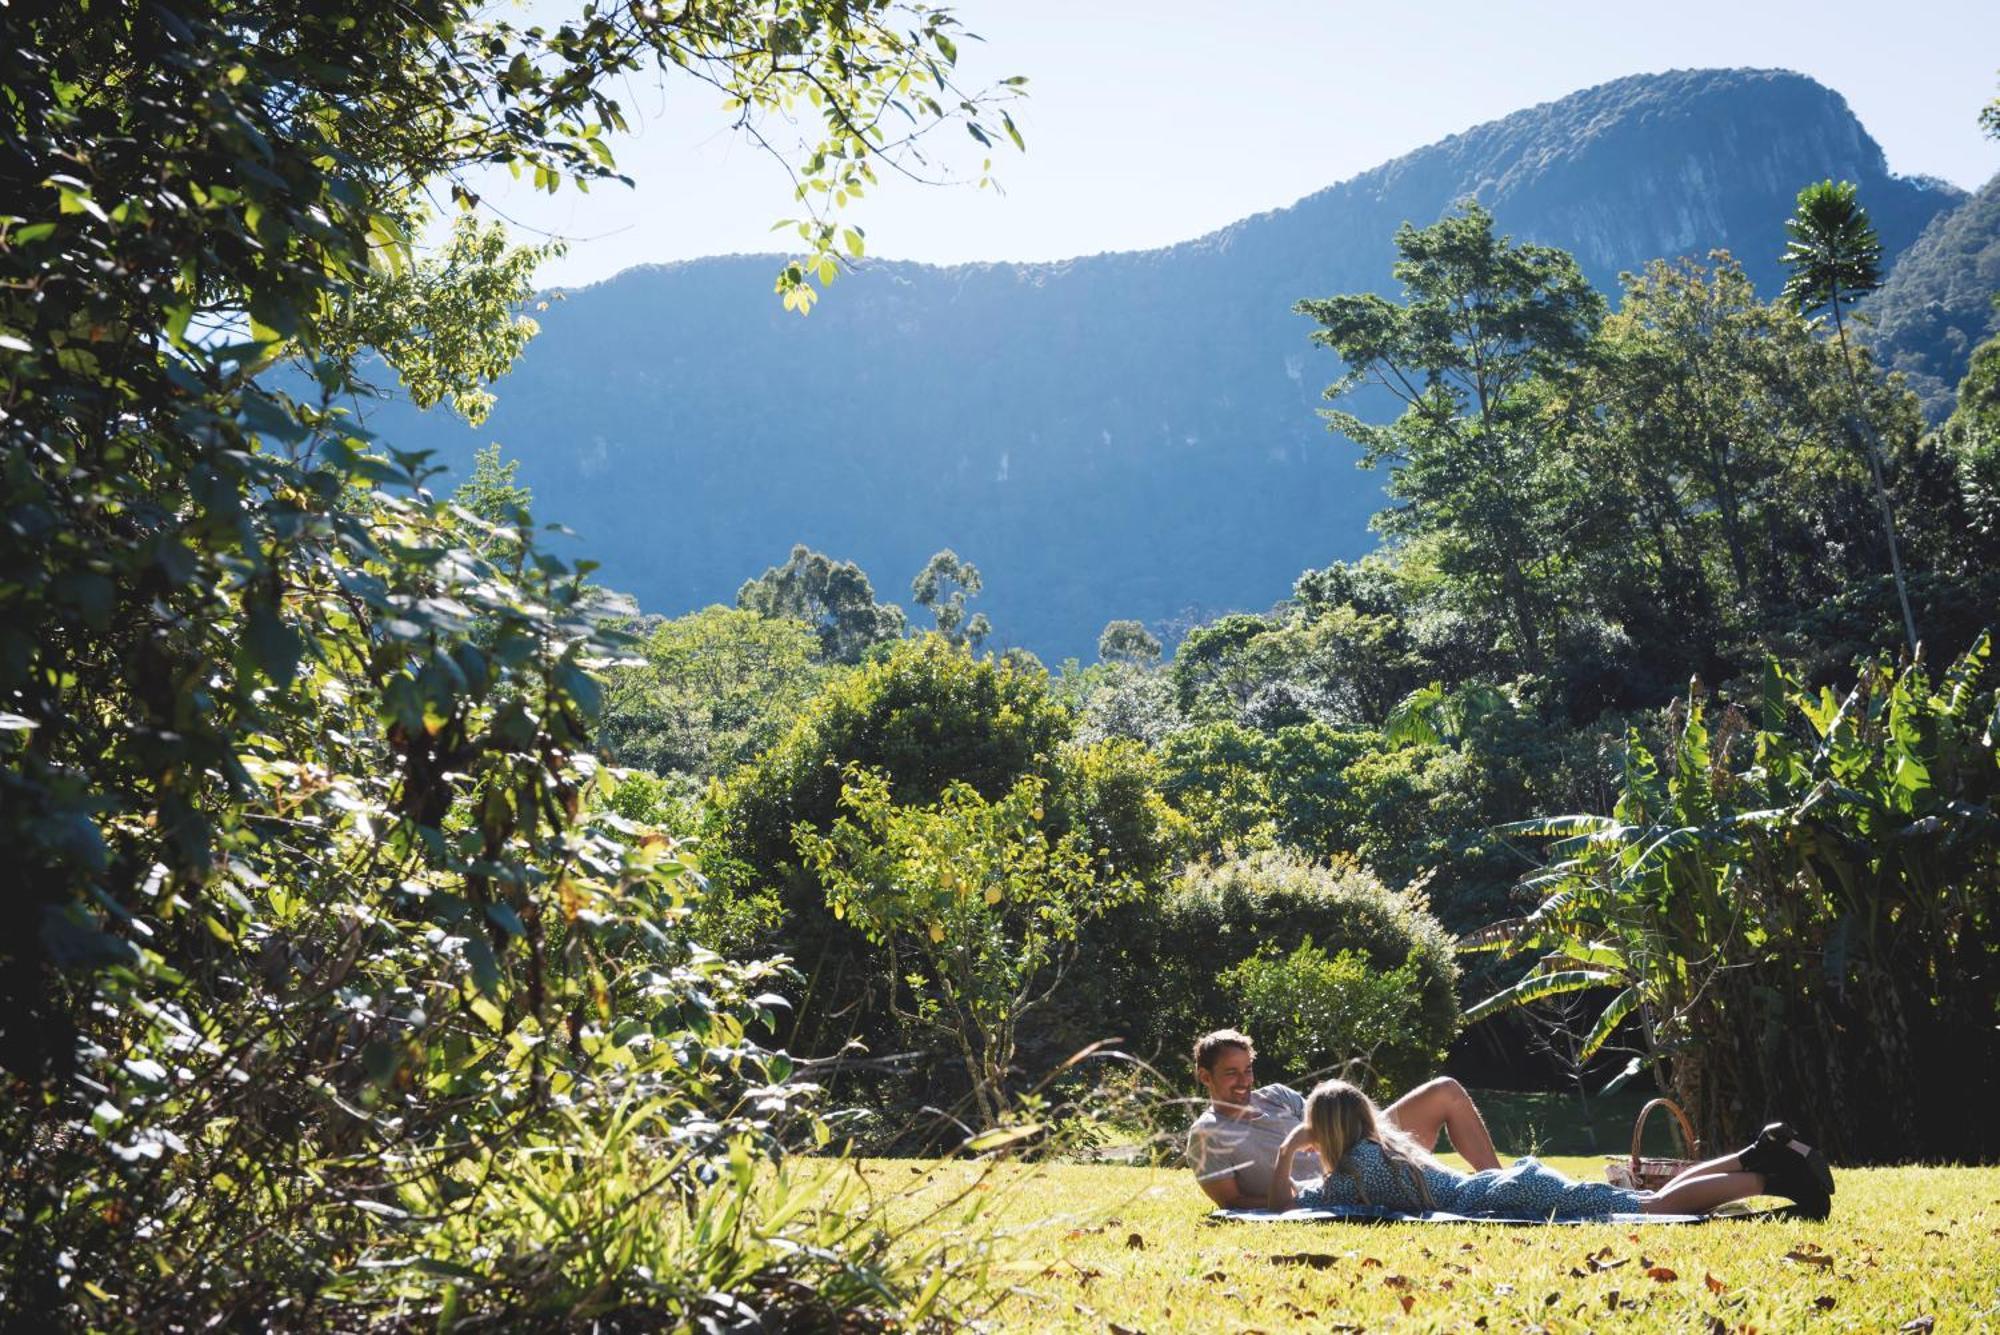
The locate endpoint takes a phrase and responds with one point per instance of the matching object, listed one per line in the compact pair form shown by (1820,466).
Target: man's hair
(1209,1047)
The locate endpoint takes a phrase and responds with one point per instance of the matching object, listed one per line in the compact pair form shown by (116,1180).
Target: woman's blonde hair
(1339,1117)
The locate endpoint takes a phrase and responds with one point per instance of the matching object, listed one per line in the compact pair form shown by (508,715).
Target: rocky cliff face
(1124,435)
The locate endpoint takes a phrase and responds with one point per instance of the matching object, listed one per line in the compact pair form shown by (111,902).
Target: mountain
(1937,305)
(1123,435)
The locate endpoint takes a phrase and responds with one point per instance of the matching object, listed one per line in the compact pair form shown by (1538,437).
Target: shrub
(1335,1014)
(927,716)
(1273,903)
(974,908)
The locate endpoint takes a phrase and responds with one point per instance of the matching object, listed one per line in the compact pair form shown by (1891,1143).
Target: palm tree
(1836,259)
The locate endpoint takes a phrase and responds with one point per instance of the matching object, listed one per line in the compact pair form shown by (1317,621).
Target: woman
(1374,1163)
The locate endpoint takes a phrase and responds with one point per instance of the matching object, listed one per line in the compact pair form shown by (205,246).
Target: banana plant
(1797,908)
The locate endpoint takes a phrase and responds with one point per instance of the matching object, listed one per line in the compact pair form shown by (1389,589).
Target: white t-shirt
(1248,1146)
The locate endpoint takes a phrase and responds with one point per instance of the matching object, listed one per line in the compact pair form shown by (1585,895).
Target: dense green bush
(1216,917)
(926,715)
(1336,1014)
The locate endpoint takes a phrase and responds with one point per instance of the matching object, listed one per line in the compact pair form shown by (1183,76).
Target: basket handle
(1687,1129)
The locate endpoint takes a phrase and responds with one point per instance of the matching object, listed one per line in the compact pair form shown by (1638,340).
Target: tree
(833,597)
(1128,642)
(297,777)
(942,586)
(1971,438)
(1475,470)
(713,689)
(976,906)
(1835,259)
(1217,668)
(493,496)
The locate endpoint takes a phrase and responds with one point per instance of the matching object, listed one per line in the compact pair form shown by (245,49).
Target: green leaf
(1536,986)
(1625,1074)
(508,920)
(1614,1014)
(1002,1137)
(273,646)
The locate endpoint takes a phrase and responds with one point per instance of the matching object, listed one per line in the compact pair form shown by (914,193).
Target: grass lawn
(1109,1248)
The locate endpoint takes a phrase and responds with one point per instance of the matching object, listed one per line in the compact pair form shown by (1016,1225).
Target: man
(1233,1145)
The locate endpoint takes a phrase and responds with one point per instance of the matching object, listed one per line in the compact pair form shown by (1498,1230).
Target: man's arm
(1215,1169)
(1227,1192)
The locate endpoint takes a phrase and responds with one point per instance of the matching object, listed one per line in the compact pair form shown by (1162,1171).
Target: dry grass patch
(1088,1247)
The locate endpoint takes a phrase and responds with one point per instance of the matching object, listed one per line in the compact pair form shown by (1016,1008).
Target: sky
(1150,123)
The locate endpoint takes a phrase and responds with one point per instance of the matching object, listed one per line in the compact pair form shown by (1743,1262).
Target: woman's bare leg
(1728,1163)
(1698,1192)
(1443,1105)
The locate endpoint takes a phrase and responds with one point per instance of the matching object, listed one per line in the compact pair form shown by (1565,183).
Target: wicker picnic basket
(1646,1174)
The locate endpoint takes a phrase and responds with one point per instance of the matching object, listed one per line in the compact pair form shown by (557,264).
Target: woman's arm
(1282,1194)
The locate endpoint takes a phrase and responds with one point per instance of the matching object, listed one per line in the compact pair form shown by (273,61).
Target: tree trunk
(1875,471)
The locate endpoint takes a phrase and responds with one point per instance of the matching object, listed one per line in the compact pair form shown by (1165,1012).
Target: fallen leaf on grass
(1717,1326)
(1408,1300)
(1714,1285)
(1214,1277)
(1395,1282)
(1662,1274)
(1136,1242)
(1317,1260)
(1821,1260)
(1933,1232)
(1920,1325)
(1602,1265)
(1825,1302)
(1367,1261)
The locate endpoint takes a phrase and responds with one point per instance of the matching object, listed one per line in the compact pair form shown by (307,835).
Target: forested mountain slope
(1123,435)
(1937,305)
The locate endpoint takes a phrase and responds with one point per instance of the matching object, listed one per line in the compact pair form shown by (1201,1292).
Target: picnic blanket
(1378,1214)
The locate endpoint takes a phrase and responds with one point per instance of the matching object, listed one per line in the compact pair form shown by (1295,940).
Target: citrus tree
(976,908)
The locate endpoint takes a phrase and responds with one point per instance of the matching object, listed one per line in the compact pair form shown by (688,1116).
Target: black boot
(1792,1169)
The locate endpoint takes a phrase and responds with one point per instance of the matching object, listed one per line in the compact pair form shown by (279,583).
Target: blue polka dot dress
(1529,1189)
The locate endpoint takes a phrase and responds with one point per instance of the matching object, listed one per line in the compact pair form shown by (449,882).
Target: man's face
(1232,1077)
